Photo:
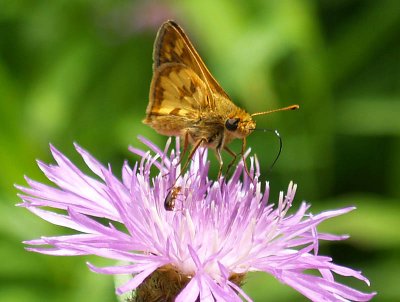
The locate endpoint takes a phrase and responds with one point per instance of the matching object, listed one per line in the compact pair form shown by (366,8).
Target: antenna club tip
(292,107)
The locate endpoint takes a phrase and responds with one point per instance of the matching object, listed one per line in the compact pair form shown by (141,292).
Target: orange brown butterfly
(186,101)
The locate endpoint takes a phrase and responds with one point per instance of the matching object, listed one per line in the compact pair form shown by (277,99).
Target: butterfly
(185,99)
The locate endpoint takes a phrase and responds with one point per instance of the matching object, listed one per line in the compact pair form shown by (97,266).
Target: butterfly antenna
(275,131)
(291,107)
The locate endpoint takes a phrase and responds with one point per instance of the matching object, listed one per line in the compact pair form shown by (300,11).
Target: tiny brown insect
(185,100)
(169,203)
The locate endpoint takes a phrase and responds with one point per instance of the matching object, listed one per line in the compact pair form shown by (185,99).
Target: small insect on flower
(169,203)
(186,101)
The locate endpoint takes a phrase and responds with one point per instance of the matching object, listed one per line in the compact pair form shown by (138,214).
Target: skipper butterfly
(185,100)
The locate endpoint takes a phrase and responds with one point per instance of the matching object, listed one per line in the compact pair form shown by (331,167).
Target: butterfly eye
(232,124)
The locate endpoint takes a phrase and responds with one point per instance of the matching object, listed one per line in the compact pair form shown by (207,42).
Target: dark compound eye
(232,124)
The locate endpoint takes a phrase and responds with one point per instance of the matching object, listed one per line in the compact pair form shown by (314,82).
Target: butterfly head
(240,125)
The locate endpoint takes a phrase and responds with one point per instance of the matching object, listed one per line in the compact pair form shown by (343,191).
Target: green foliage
(80,71)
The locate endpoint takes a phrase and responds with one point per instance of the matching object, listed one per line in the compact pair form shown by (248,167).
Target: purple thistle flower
(203,249)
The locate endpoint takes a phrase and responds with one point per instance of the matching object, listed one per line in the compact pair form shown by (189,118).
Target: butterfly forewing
(172,45)
(182,88)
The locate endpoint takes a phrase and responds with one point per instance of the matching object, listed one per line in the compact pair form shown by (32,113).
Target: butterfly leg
(169,198)
(244,159)
(195,147)
(182,154)
(234,157)
(221,163)
(185,147)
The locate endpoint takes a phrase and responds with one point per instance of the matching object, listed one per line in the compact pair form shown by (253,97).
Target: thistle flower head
(216,233)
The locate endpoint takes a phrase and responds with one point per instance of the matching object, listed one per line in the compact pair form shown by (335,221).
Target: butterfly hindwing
(177,95)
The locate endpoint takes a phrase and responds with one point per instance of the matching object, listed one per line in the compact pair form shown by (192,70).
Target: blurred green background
(80,71)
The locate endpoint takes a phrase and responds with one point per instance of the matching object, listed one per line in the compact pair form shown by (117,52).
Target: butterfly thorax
(219,127)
